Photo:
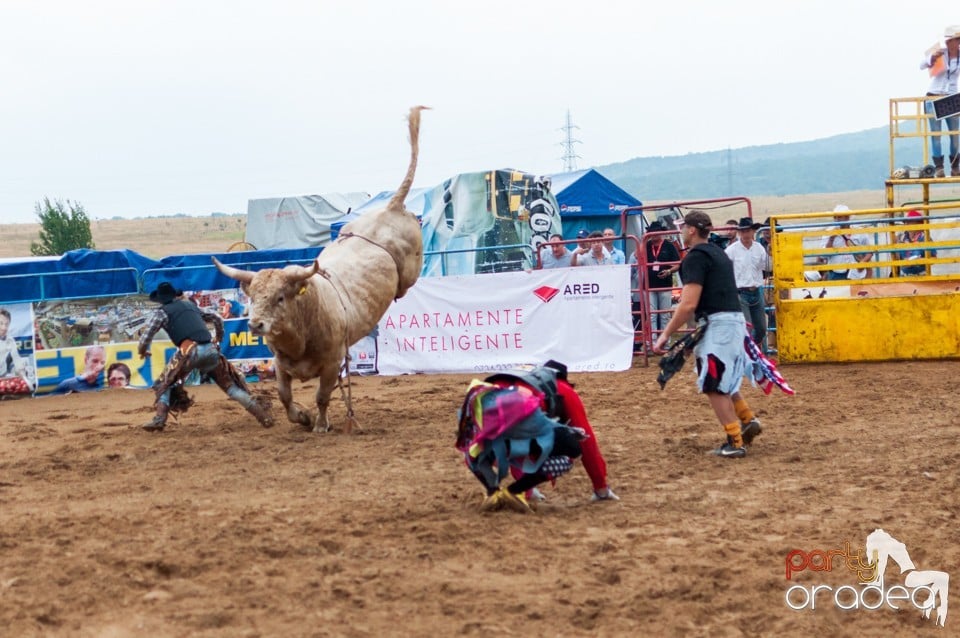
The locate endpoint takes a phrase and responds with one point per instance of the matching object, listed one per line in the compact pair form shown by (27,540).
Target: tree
(61,230)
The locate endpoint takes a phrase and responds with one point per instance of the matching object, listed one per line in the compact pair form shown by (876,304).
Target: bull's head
(271,292)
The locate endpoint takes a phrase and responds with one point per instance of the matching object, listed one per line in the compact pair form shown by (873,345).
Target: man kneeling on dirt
(532,423)
(185,323)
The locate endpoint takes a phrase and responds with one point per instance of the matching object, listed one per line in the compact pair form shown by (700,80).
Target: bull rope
(396,260)
(346,346)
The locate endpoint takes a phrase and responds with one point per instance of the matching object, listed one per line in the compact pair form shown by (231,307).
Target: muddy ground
(216,527)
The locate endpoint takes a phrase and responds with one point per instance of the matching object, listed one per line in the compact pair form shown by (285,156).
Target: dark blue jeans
(752,305)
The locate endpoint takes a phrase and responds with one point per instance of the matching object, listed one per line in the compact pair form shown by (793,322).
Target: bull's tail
(396,202)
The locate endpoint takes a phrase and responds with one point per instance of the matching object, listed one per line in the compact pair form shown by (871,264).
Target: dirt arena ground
(216,527)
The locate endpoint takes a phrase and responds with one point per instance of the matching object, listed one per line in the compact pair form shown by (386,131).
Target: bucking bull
(309,317)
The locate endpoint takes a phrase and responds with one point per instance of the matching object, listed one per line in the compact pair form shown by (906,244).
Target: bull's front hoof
(301,418)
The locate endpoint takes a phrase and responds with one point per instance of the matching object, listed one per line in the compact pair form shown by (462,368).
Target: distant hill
(848,162)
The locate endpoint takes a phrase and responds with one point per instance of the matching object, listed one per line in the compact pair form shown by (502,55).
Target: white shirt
(849,240)
(11,362)
(748,263)
(943,83)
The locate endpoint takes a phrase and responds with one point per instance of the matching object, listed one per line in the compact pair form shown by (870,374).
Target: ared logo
(546,293)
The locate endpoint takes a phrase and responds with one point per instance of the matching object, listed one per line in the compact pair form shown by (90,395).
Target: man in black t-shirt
(710,294)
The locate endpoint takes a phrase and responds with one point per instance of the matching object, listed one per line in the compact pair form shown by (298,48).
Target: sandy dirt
(217,527)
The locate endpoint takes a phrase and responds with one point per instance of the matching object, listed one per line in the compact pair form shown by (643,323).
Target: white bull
(309,317)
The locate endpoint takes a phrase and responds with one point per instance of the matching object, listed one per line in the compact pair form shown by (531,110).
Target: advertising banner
(17,371)
(580,316)
(89,344)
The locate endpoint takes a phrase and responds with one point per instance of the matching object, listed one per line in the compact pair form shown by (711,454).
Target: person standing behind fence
(662,262)
(710,294)
(845,263)
(944,65)
(616,255)
(750,260)
(591,252)
(914,237)
(555,256)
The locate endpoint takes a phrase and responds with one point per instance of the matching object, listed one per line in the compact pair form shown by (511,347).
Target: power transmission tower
(570,156)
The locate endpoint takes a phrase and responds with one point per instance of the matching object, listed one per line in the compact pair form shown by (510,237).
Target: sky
(191,107)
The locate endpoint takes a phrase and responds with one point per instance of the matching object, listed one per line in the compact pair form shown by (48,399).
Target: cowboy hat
(746,223)
(165,293)
(951,32)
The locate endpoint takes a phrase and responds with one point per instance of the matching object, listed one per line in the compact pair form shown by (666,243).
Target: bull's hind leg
(295,412)
(328,381)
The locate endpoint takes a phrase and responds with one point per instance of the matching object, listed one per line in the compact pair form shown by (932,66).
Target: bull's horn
(295,274)
(244,276)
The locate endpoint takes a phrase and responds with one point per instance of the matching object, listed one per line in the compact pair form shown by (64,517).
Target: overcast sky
(147,107)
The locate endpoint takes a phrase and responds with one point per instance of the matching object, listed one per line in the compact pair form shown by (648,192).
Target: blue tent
(590,201)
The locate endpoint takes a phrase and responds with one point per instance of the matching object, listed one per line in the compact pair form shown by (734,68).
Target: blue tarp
(91,273)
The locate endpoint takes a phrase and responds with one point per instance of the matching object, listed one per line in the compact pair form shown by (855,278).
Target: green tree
(64,227)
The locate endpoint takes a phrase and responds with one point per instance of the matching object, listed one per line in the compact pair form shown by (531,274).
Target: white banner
(483,323)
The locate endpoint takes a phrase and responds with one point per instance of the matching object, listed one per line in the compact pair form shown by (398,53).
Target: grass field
(161,236)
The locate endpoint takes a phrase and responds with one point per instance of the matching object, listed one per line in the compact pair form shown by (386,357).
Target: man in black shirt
(710,294)
(186,325)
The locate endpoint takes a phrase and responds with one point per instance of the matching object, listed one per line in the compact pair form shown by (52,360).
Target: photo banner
(485,323)
(91,344)
(17,370)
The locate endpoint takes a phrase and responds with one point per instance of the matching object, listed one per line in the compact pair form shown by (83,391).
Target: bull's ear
(245,287)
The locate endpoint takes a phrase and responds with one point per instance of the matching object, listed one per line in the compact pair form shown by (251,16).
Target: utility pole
(729,172)
(570,156)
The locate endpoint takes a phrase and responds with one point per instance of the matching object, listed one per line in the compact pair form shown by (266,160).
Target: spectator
(591,252)
(583,235)
(556,255)
(763,234)
(662,262)
(726,237)
(844,263)
(616,255)
(750,261)
(118,375)
(944,65)
(94,361)
(914,237)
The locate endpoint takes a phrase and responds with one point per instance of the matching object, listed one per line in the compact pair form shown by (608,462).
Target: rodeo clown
(724,351)
(185,324)
(532,423)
